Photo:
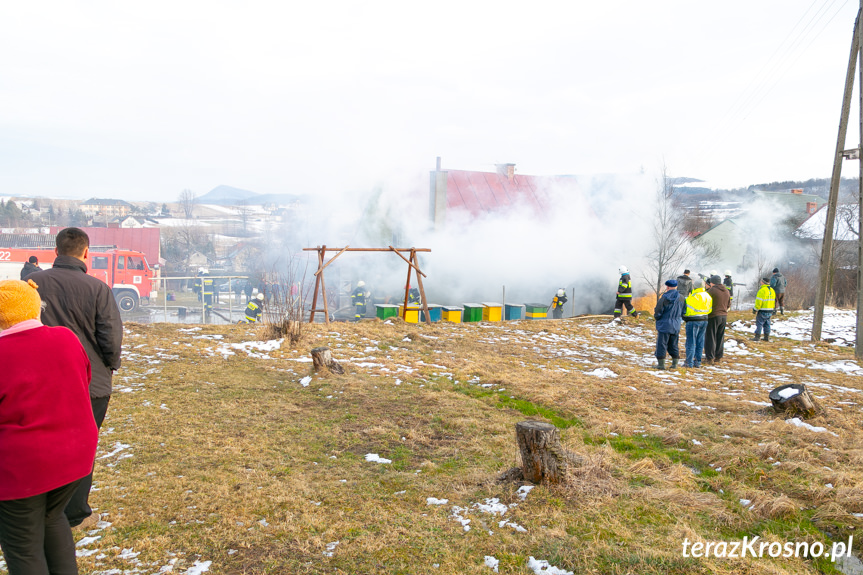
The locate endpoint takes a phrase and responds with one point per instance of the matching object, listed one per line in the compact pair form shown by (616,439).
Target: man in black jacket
(30,266)
(684,284)
(86,306)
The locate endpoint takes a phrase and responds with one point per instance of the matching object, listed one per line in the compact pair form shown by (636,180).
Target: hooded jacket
(668,312)
(721,300)
(28,269)
(85,305)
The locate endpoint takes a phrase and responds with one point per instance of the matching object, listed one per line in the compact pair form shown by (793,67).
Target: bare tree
(180,242)
(188,200)
(671,245)
(245,213)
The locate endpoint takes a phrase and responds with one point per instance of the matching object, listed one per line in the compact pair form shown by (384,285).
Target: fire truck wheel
(127,301)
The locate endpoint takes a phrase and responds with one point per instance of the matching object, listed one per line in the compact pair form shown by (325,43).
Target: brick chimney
(507,170)
(797,191)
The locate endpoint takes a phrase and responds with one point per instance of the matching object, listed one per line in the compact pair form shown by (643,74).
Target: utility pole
(825,269)
(858,345)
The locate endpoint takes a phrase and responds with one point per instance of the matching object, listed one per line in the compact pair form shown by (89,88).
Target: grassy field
(224,452)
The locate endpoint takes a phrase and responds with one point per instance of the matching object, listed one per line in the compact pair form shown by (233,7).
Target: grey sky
(141,100)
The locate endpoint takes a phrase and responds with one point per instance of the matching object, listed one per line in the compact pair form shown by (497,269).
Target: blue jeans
(762,320)
(695,331)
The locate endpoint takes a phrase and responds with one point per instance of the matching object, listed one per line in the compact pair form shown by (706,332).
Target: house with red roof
(482,193)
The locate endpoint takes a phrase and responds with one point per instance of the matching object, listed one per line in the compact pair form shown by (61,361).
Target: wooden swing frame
(320,286)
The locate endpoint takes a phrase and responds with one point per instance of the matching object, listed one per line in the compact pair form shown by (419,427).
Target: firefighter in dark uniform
(557,304)
(624,295)
(413,296)
(729,285)
(255,309)
(205,288)
(358,298)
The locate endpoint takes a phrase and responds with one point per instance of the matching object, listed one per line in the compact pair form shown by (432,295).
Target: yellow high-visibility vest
(765,299)
(698,302)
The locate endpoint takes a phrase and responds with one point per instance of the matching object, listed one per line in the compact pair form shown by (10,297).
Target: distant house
(199,260)
(843,228)
(811,233)
(106,208)
(138,222)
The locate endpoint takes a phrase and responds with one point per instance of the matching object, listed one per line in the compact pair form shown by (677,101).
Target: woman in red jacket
(47,434)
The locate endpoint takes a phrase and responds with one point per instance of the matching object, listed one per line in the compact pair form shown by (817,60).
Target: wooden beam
(421,288)
(410,263)
(389,249)
(322,268)
(320,251)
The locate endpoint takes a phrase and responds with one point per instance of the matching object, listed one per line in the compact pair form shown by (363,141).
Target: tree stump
(794,399)
(323,358)
(543,458)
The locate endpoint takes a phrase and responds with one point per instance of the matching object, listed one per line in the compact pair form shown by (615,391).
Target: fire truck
(125,271)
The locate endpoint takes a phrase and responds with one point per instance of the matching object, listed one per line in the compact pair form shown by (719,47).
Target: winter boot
(661,363)
(758,337)
(674,362)
(766,338)
(634,314)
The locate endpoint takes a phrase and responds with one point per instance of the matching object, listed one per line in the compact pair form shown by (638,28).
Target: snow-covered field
(594,354)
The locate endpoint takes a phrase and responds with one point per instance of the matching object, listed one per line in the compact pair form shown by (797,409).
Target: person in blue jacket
(668,314)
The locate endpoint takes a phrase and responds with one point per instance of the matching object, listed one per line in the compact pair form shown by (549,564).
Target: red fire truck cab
(125,271)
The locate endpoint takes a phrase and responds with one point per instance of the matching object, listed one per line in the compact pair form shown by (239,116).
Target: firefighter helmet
(622,270)
(560,292)
(260,297)
(203,271)
(361,283)
(728,273)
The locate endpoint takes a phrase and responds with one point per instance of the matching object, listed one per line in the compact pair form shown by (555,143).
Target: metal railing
(163,289)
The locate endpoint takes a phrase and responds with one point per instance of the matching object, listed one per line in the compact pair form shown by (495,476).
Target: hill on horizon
(231,196)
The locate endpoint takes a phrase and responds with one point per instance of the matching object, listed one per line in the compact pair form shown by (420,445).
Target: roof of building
(106,202)
(796,201)
(485,192)
(28,240)
(843,227)
(479,193)
(725,222)
(144,240)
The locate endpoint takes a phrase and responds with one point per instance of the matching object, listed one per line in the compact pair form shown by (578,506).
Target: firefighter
(413,296)
(358,298)
(729,285)
(624,294)
(205,288)
(557,304)
(255,309)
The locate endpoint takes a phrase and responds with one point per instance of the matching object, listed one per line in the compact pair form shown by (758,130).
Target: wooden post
(543,458)
(323,358)
(826,263)
(423,299)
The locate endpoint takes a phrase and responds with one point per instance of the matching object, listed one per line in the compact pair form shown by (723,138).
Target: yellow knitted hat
(19,301)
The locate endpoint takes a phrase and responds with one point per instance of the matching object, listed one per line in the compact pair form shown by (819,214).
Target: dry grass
(235,462)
